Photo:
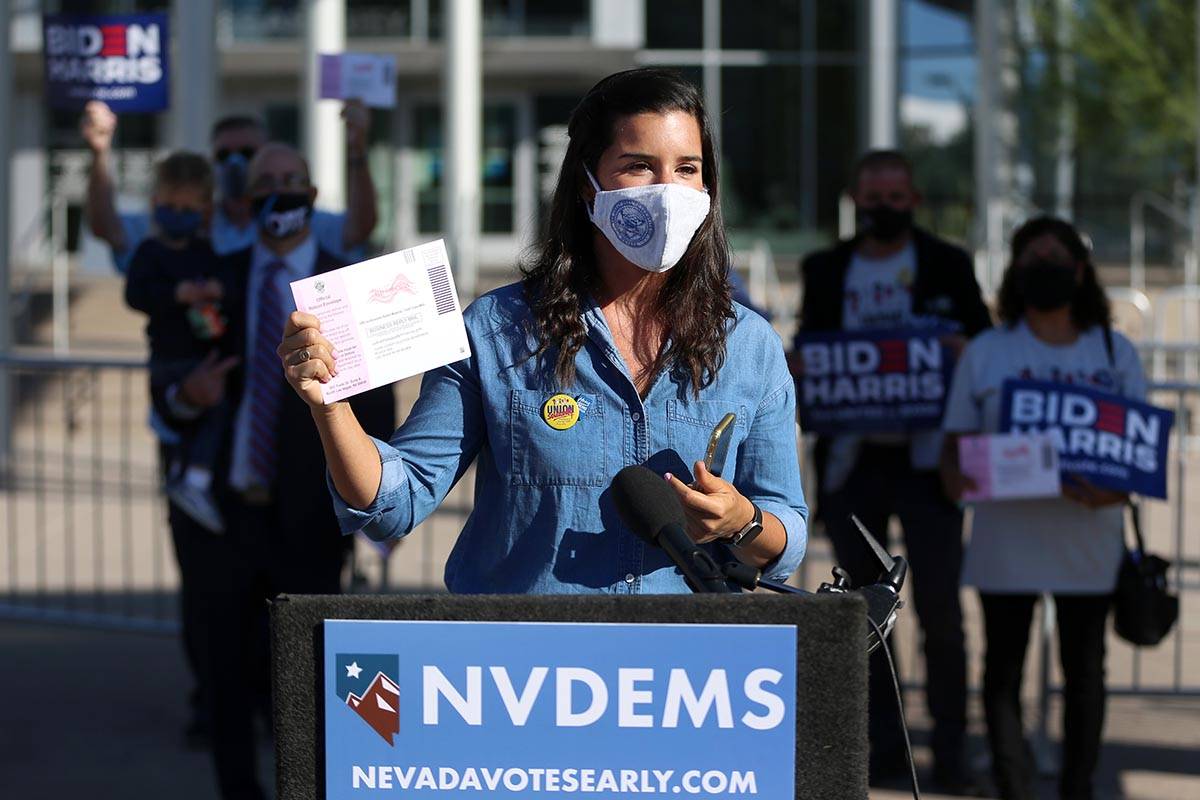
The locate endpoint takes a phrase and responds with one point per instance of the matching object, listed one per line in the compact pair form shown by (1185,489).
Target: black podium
(831,666)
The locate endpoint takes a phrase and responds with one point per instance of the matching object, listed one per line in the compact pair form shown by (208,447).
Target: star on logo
(353,670)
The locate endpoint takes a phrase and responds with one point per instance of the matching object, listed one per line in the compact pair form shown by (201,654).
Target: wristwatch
(749,533)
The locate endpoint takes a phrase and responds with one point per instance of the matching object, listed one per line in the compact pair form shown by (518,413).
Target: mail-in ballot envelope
(1008,466)
(388,318)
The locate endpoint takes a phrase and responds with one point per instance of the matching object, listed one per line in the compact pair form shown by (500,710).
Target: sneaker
(197,504)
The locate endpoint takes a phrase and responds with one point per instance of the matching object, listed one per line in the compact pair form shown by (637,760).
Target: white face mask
(651,226)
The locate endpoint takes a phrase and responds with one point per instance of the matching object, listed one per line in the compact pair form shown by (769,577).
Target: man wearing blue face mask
(281,532)
(235,140)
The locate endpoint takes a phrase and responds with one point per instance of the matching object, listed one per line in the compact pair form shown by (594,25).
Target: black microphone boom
(648,507)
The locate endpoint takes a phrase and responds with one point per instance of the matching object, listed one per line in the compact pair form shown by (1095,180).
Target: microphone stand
(883,596)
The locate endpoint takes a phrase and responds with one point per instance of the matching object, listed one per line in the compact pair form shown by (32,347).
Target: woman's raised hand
(308,358)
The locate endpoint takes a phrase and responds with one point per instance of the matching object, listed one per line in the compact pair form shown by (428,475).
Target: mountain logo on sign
(369,685)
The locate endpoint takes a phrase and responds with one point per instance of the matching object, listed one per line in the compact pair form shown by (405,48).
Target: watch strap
(751,531)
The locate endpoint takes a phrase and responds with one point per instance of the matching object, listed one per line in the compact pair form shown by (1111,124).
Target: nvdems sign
(1109,440)
(555,710)
(886,380)
(121,60)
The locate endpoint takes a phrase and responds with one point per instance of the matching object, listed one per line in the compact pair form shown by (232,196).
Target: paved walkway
(99,714)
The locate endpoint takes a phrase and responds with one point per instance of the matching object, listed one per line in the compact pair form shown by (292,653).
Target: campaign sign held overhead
(884,380)
(1109,440)
(526,710)
(120,59)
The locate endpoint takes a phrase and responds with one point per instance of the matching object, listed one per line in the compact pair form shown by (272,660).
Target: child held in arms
(174,278)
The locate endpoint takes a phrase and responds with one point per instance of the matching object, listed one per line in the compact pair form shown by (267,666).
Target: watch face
(748,534)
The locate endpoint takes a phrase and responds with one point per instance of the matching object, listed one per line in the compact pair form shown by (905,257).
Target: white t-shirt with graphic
(878,294)
(878,291)
(1046,545)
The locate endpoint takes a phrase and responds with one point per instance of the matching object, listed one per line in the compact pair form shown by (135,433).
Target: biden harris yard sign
(556,709)
(121,60)
(884,380)
(1108,440)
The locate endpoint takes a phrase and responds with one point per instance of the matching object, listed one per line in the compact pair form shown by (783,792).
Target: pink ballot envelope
(388,318)
(1009,466)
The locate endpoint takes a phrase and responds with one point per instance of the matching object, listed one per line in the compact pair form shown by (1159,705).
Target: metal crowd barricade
(84,525)
(84,537)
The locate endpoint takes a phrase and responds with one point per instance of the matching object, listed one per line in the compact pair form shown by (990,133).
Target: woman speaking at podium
(621,345)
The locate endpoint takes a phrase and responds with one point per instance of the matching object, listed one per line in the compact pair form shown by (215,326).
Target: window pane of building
(937,88)
(376,18)
(761,25)
(760,130)
(499,144)
(675,24)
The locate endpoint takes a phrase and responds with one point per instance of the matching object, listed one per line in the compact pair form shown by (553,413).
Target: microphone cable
(887,651)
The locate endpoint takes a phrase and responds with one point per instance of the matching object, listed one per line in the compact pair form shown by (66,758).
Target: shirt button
(636,416)
(629,577)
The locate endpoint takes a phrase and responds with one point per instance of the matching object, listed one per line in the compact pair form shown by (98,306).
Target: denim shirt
(544,520)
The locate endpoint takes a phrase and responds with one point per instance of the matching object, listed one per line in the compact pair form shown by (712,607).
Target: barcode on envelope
(443,295)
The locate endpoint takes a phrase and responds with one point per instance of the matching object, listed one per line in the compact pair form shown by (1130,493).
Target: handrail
(1138,203)
(38,358)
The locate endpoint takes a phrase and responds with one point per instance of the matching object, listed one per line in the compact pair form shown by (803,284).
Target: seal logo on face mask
(561,412)
(632,223)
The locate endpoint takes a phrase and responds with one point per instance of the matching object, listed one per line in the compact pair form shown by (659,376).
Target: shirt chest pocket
(690,426)
(563,444)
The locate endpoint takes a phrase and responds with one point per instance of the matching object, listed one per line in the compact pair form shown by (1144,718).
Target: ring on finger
(303,356)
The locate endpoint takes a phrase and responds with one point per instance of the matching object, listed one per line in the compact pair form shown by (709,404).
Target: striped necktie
(266,380)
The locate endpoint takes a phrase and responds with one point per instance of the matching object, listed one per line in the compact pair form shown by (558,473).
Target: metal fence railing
(85,537)
(85,530)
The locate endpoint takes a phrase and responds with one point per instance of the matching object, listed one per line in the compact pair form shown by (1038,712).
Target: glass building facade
(787,83)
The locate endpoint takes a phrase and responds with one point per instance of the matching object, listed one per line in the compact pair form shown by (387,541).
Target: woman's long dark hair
(694,304)
(1090,304)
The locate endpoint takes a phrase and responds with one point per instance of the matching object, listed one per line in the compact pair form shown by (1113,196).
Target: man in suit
(281,533)
(896,275)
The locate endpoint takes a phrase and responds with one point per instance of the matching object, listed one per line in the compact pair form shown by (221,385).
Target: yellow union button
(561,412)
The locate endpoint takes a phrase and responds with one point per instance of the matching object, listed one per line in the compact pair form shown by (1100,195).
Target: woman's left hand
(1090,495)
(714,509)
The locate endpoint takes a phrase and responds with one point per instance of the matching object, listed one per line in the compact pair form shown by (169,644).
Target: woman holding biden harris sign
(1058,328)
(620,346)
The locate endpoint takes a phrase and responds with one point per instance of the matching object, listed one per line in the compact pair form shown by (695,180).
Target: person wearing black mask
(234,140)
(893,274)
(1057,327)
(281,534)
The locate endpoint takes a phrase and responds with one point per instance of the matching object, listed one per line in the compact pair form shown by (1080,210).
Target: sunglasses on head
(225,152)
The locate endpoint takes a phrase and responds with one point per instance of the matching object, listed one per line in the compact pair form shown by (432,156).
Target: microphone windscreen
(646,502)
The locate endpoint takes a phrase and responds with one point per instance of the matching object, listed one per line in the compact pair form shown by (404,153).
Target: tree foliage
(1136,78)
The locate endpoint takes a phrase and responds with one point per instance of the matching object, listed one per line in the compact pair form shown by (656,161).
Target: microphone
(649,508)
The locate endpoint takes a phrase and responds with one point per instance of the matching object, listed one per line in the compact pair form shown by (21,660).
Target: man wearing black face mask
(235,139)
(281,535)
(895,275)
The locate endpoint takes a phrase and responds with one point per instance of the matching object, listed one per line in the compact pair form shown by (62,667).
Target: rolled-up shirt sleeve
(424,458)
(768,472)
(389,513)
